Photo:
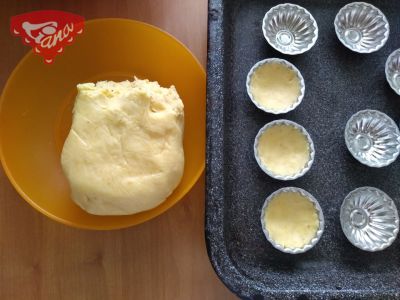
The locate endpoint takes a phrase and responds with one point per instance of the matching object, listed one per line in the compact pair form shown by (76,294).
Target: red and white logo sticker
(47,31)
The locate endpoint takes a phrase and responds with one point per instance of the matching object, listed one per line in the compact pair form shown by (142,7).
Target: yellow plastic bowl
(36,105)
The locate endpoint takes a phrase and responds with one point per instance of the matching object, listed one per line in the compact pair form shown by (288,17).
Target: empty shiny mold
(369,219)
(392,70)
(290,28)
(361,27)
(372,138)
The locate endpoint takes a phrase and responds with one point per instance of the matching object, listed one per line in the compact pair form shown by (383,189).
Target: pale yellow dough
(124,152)
(291,220)
(274,86)
(283,150)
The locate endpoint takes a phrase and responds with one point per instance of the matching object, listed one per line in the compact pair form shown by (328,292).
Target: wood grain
(161,259)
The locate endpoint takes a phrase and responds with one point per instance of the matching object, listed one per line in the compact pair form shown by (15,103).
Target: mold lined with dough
(275,86)
(283,150)
(291,220)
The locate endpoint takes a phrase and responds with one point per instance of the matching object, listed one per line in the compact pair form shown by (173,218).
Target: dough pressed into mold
(275,87)
(291,220)
(284,150)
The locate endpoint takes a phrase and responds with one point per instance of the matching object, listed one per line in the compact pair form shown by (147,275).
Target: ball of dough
(124,152)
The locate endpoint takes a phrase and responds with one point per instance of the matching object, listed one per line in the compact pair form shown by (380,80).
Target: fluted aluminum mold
(318,233)
(369,219)
(392,70)
(290,28)
(361,27)
(302,130)
(372,138)
(289,66)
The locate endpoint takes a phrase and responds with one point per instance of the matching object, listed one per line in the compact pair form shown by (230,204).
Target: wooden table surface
(165,258)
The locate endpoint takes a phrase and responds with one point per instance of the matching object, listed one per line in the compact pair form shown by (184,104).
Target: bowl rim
(155,211)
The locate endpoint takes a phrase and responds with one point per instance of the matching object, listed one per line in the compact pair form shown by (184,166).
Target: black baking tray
(338,84)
